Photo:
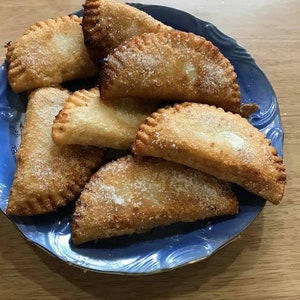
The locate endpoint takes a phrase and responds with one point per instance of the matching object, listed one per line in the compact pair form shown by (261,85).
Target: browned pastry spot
(248,109)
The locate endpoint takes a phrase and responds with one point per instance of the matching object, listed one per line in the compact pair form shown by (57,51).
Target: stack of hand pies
(170,98)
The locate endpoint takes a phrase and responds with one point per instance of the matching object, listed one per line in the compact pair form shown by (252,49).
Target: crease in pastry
(216,142)
(48,176)
(106,24)
(49,53)
(136,194)
(171,65)
(87,119)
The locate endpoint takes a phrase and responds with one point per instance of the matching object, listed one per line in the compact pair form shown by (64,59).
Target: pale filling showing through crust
(228,138)
(64,43)
(191,72)
(223,134)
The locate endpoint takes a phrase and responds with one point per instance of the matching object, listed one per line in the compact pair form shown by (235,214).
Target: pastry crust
(49,53)
(136,194)
(171,65)
(87,119)
(48,176)
(106,24)
(216,142)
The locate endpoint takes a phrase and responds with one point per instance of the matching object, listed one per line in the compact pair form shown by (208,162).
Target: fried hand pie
(219,143)
(136,194)
(87,119)
(48,176)
(49,53)
(106,24)
(171,65)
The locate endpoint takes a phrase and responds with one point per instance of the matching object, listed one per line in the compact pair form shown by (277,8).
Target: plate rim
(159,270)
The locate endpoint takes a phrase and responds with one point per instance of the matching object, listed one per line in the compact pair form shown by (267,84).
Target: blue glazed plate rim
(164,248)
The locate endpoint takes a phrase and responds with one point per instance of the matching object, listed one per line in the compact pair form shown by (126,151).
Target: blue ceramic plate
(163,248)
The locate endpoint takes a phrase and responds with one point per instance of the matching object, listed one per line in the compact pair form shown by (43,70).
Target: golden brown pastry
(106,24)
(171,65)
(49,53)
(135,194)
(48,176)
(216,142)
(87,119)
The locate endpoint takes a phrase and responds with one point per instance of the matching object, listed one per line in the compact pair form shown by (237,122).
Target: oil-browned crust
(87,119)
(106,24)
(171,65)
(48,176)
(219,143)
(49,53)
(135,194)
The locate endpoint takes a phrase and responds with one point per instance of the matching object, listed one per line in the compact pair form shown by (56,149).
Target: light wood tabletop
(264,263)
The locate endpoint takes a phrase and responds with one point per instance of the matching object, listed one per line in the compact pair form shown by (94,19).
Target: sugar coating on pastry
(87,119)
(106,24)
(171,65)
(135,194)
(219,143)
(48,176)
(49,53)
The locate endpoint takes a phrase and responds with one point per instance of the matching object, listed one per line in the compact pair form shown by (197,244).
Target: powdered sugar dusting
(213,77)
(237,143)
(112,194)
(191,72)
(192,182)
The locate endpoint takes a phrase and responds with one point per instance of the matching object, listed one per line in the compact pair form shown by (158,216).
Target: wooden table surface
(265,262)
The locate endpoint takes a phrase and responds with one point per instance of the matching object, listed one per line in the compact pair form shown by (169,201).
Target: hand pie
(49,53)
(136,194)
(219,143)
(106,24)
(87,119)
(48,176)
(171,65)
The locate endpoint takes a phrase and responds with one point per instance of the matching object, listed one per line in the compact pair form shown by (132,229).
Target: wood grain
(265,262)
